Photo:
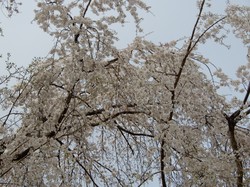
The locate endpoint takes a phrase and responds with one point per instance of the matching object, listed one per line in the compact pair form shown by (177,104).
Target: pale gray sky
(172,19)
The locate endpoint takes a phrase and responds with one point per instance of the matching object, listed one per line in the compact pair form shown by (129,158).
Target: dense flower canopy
(93,114)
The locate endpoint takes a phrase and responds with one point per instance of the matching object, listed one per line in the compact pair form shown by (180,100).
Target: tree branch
(78,162)
(247,94)
(130,147)
(232,121)
(190,47)
(133,133)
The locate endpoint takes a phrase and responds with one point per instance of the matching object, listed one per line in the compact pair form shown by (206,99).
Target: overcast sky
(170,20)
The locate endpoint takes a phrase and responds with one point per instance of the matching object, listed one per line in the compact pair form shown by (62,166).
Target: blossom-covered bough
(91,114)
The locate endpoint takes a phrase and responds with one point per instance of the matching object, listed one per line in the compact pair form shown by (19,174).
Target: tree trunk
(238,161)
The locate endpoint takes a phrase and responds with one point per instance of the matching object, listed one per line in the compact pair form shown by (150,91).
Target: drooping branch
(133,133)
(20,94)
(78,162)
(247,94)
(106,168)
(21,155)
(66,107)
(95,112)
(130,147)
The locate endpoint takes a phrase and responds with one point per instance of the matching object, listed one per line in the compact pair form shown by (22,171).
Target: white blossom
(92,114)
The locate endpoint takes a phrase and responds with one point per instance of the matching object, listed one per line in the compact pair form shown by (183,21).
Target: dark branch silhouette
(247,94)
(21,155)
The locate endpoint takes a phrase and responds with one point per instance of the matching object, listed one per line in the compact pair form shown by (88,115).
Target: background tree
(92,114)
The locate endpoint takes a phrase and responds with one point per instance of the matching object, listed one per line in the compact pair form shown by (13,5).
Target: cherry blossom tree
(92,114)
